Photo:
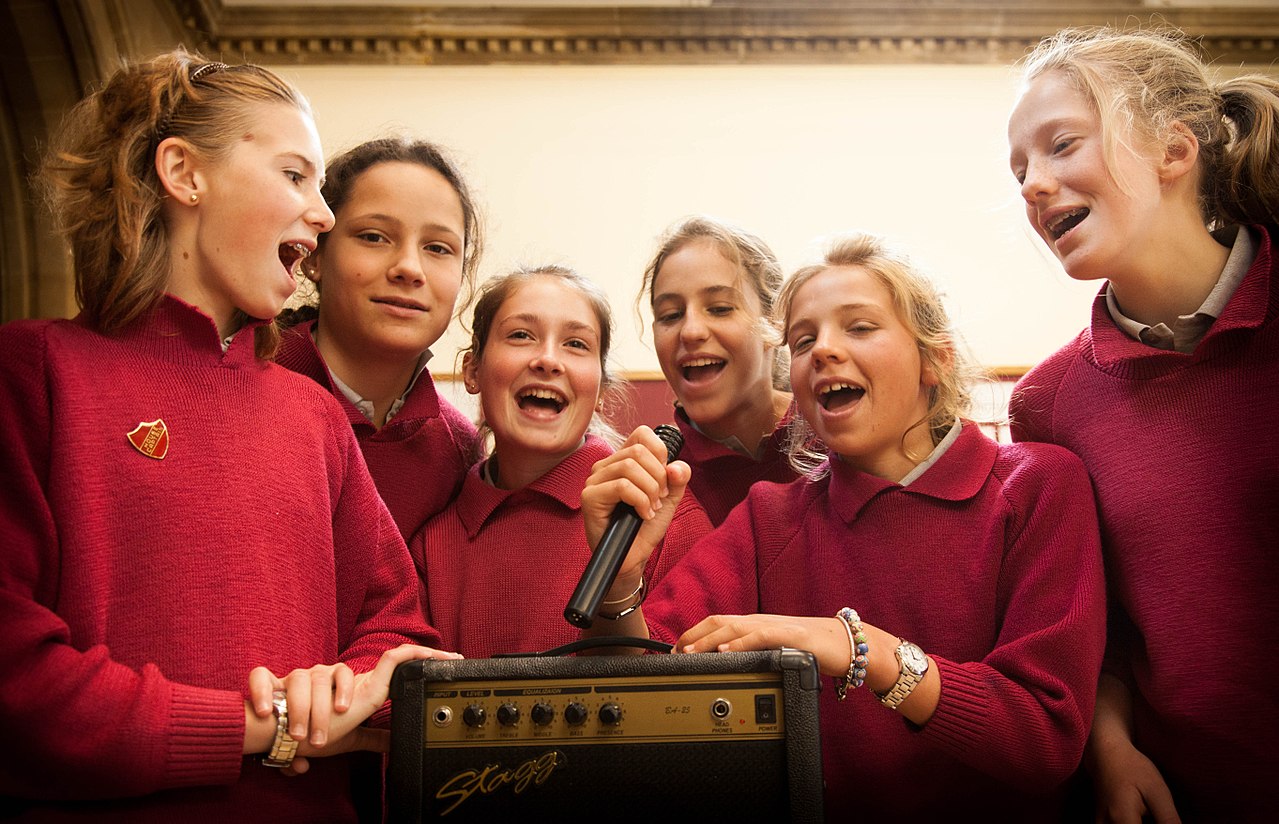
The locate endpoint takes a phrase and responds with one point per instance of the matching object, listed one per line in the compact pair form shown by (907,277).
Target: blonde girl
(1141,170)
(711,287)
(964,576)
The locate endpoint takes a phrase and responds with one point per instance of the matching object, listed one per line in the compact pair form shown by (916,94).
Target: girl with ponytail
(176,606)
(1141,170)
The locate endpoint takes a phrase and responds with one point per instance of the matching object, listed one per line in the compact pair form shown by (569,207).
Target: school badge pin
(151,438)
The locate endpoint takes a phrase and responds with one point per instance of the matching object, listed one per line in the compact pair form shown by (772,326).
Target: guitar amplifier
(626,737)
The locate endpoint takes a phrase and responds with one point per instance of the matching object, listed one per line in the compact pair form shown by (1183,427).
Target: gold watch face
(913,659)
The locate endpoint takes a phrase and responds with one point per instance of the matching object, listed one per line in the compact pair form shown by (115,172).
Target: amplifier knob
(542,713)
(508,715)
(473,716)
(575,714)
(610,714)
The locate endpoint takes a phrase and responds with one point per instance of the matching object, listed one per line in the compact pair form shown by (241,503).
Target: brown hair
(919,305)
(748,253)
(100,180)
(347,168)
(495,292)
(1142,82)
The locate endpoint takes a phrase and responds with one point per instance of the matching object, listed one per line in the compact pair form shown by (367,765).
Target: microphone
(616,541)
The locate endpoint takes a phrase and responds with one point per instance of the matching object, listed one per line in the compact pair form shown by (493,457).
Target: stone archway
(50,53)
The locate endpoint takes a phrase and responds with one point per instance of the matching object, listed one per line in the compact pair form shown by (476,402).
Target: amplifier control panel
(740,706)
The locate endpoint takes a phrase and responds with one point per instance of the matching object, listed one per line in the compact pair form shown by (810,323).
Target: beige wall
(586,166)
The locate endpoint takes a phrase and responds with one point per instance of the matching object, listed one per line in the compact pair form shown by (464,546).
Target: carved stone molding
(747,31)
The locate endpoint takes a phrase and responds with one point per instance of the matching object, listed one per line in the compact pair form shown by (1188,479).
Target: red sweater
(1183,453)
(989,561)
(721,476)
(137,593)
(418,459)
(497,547)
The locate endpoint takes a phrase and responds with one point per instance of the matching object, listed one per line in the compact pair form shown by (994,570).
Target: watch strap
(285,747)
(906,681)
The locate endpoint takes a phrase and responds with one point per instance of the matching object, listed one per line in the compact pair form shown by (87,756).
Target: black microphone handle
(606,560)
(604,565)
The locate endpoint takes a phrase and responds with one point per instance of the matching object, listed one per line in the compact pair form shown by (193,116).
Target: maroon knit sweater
(418,458)
(722,477)
(526,547)
(1185,460)
(990,561)
(136,592)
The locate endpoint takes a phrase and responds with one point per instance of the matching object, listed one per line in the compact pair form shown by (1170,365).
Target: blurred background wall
(588,127)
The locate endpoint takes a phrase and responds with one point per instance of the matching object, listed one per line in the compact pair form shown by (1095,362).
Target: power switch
(765,709)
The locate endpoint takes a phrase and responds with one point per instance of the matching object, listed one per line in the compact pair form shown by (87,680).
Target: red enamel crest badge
(151,438)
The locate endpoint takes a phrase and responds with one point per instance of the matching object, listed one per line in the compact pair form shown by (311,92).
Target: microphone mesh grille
(674,441)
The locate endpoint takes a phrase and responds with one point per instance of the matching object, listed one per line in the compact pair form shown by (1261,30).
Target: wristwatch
(913,665)
(284,748)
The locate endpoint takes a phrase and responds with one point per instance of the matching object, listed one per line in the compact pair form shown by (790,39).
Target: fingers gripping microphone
(616,541)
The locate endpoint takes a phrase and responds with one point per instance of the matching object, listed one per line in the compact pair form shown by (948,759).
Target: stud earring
(195,198)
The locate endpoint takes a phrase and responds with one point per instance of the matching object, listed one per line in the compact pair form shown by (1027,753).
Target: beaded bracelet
(858,648)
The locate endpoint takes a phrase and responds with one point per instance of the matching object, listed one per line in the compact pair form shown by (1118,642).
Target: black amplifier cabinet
(715,736)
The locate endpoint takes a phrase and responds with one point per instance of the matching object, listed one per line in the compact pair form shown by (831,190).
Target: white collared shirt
(366,407)
(935,455)
(1188,330)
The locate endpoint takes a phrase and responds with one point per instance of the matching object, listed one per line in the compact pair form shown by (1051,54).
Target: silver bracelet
(858,648)
(637,597)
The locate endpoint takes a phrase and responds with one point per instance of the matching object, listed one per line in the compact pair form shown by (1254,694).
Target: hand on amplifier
(826,639)
(636,474)
(823,637)
(327,705)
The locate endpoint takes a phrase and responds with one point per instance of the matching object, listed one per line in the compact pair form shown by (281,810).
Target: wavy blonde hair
(1140,83)
(921,309)
(751,255)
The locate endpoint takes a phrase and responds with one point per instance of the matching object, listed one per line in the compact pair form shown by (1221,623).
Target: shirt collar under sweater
(1114,352)
(177,331)
(477,500)
(957,475)
(366,406)
(299,353)
(700,447)
(1188,330)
